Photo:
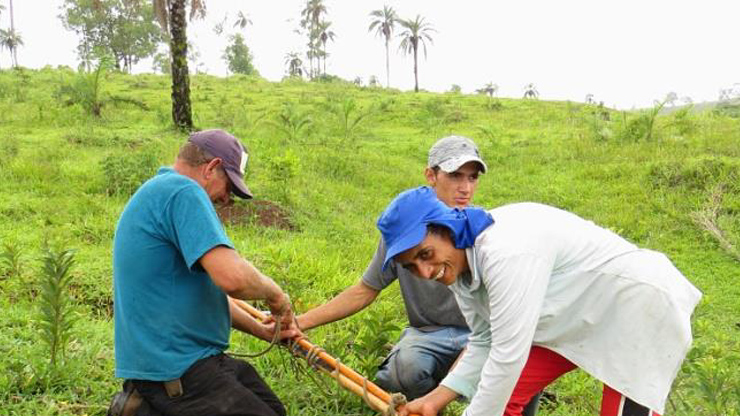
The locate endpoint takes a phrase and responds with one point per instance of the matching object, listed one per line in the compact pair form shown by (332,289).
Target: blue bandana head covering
(404,222)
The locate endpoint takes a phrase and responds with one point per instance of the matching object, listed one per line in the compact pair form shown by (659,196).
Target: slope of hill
(325,160)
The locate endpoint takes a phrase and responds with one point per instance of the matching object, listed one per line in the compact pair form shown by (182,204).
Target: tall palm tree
(242,20)
(415,32)
(311,16)
(383,25)
(16,37)
(295,64)
(1,12)
(11,40)
(171,15)
(324,34)
(530,91)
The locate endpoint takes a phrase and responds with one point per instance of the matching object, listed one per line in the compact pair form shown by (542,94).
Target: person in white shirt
(544,291)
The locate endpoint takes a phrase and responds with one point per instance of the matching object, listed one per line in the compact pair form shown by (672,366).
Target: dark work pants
(213,386)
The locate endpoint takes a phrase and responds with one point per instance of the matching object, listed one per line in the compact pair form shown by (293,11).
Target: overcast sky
(626,53)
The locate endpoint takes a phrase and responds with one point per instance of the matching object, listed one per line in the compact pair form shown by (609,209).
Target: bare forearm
(350,301)
(242,321)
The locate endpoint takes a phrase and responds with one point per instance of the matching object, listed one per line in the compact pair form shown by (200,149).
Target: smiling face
(435,258)
(455,189)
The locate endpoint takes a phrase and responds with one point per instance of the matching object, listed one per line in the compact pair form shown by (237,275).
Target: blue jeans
(421,360)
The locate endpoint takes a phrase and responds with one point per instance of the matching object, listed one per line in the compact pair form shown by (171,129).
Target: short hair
(440,230)
(193,155)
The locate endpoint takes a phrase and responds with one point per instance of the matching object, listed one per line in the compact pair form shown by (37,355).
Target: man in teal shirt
(176,276)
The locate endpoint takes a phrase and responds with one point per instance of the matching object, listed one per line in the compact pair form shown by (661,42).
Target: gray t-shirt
(429,305)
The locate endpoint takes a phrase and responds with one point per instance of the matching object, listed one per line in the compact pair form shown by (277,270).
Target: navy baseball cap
(232,153)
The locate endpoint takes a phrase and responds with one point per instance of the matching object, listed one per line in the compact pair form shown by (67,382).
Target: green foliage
(122,29)
(350,116)
(640,127)
(696,174)
(292,121)
(65,177)
(598,121)
(683,122)
(282,169)
(125,172)
(238,57)
(86,89)
(376,332)
(10,260)
(728,109)
(57,310)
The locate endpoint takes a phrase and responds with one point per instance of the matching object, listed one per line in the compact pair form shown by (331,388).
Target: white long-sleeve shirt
(543,276)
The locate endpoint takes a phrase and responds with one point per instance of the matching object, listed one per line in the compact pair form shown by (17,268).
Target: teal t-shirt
(168,313)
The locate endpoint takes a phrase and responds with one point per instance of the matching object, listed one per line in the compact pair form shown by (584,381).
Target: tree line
(127,31)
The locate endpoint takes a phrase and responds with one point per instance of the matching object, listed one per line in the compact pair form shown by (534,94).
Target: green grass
(66,176)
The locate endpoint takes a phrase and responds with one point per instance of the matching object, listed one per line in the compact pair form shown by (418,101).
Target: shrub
(282,171)
(85,89)
(124,173)
(292,121)
(641,127)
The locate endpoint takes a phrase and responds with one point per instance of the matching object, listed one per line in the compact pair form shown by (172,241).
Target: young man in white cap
(176,275)
(437,331)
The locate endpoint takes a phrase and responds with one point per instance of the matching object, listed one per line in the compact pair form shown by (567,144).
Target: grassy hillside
(325,160)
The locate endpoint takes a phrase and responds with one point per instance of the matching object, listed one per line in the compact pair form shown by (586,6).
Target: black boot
(126,402)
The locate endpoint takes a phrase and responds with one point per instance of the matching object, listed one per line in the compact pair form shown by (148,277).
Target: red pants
(545,366)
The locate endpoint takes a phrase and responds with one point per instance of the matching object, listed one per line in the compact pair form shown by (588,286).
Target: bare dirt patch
(261,213)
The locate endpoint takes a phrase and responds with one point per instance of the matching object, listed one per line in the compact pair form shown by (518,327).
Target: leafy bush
(376,332)
(683,122)
(640,127)
(282,170)
(124,173)
(293,121)
(85,89)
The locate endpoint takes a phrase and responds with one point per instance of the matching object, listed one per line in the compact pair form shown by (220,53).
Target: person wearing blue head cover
(437,331)
(404,223)
(544,292)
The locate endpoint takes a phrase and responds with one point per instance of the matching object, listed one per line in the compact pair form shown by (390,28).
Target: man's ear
(212,166)
(431,176)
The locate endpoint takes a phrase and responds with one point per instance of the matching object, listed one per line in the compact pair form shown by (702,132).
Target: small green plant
(10,260)
(282,171)
(683,122)
(57,310)
(641,127)
(124,173)
(350,116)
(376,331)
(292,121)
(85,89)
